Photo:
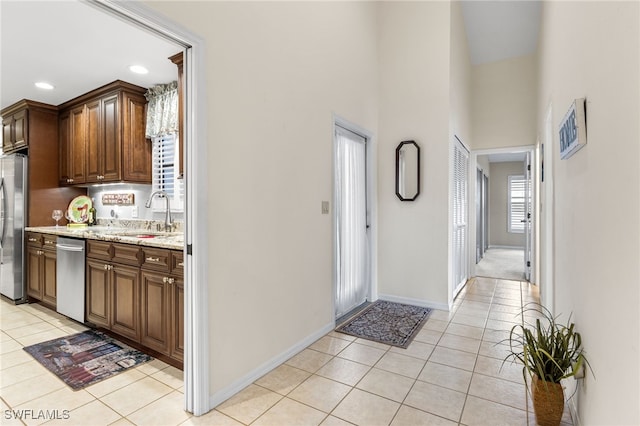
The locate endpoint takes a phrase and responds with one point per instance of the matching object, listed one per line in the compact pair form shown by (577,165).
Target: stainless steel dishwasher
(70,278)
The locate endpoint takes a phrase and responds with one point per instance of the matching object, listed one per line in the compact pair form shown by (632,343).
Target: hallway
(450,375)
(502,263)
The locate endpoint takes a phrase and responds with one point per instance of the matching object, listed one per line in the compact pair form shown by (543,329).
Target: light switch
(325,207)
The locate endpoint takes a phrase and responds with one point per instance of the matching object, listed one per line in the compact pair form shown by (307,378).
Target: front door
(351,240)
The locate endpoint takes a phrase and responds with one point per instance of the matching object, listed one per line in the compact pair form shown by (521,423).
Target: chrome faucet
(167,217)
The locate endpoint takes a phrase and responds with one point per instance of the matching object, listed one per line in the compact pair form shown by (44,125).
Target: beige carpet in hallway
(507,264)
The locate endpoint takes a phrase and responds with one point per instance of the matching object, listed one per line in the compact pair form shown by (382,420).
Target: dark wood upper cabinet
(15,126)
(178,59)
(31,127)
(137,161)
(102,137)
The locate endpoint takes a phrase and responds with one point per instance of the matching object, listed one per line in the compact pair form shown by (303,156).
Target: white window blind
(165,173)
(460,212)
(516,207)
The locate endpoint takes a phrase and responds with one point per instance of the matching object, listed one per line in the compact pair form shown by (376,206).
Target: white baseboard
(416,302)
(507,247)
(235,387)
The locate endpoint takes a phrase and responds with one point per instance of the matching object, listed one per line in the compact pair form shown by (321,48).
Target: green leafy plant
(547,349)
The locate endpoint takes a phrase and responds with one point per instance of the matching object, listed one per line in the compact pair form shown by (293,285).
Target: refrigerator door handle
(3,212)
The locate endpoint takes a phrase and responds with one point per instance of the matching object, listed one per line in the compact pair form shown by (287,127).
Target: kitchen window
(516,206)
(165,173)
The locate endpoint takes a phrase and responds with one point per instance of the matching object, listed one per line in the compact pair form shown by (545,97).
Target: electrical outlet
(325,207)
(134,212)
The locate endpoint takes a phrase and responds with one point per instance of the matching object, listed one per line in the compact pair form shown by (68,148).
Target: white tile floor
(451,374)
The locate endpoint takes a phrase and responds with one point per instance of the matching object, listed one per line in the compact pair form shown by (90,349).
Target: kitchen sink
(141,233)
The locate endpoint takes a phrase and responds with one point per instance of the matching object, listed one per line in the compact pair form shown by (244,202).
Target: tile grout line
(466,396)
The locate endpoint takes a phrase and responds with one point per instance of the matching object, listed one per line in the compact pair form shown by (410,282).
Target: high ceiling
(498,30)
(77,48)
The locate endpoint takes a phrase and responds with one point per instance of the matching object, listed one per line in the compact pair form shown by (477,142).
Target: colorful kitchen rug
(391,323)
(85,358)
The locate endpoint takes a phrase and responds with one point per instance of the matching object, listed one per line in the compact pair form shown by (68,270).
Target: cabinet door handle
(49,242)
(171,280)
(33,239)
(181,264)
(165,279)
(152,259)
(106,267)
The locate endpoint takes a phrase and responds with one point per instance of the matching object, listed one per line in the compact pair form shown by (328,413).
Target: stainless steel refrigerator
(13,206)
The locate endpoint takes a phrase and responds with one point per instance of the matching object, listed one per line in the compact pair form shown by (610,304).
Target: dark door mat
(391,323)
(85,358)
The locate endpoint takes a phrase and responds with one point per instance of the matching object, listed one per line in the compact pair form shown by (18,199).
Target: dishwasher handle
(65,247)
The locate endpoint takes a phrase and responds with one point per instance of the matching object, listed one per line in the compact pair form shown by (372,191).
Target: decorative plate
(78,211)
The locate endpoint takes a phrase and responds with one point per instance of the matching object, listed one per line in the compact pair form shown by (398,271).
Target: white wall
(498,204)
(460,87)
(590,49)
(504,103)
(276,72)
(414,105)
(484,165)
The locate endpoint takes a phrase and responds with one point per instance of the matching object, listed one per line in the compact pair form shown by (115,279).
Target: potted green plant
(549,352)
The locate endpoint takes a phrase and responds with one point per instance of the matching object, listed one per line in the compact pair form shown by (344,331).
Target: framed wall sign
(573,129)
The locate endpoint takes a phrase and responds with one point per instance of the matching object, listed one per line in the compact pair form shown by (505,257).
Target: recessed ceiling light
(138,69)
(44,85)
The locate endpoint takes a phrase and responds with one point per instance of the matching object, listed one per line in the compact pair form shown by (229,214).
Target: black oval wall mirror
(408,170)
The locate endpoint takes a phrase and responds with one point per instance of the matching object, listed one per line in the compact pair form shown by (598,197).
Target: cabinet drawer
(49,242)
(99,249)
(34,239)
(177,263)
(156,259)
(127,253)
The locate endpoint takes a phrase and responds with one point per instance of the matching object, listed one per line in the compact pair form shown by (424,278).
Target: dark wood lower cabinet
(49,270)
(34,272)
(125,282)
(177,320)
(113,297)
(98,293)
(142,303)
(41,268)
(155,309)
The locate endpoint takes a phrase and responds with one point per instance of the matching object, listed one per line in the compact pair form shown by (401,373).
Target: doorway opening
(196,340)
(504,216)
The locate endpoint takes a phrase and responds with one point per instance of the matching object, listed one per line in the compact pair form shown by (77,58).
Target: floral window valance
(162,109)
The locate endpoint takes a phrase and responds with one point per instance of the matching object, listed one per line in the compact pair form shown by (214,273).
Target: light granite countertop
(142,237)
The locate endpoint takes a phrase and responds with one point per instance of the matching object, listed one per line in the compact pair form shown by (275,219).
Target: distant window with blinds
(165,176)
(516,207)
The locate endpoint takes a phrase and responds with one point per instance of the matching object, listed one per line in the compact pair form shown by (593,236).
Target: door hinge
(528,264)
(529,167)
(189,249)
